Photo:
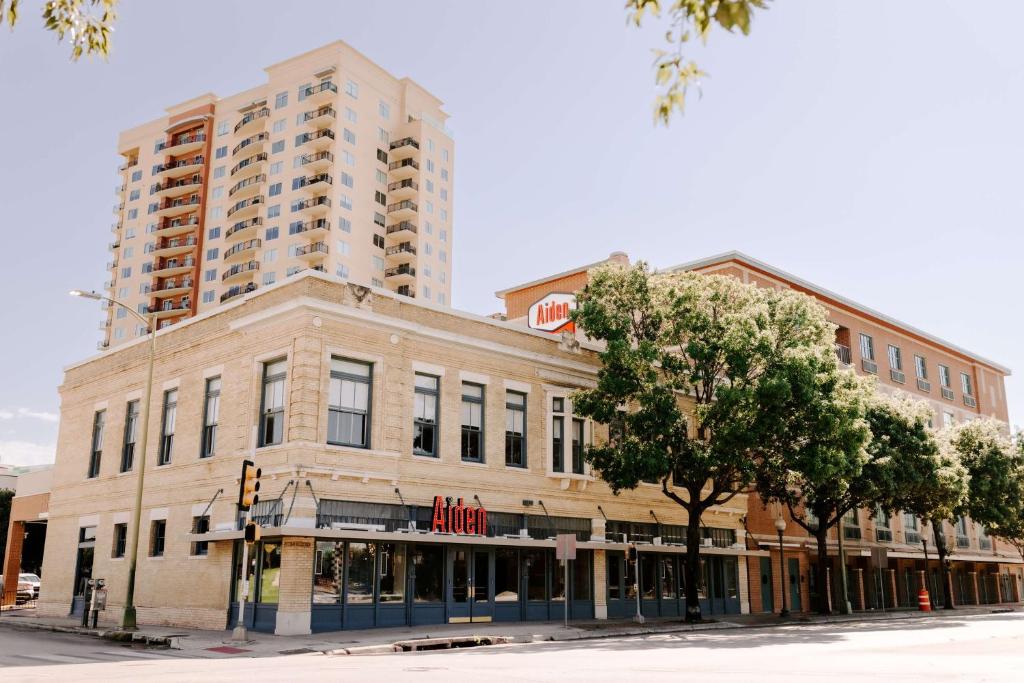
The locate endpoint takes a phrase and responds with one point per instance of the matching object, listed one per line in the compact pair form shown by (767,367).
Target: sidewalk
(386,640)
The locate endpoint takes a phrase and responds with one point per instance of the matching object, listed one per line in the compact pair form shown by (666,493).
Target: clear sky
(873,148)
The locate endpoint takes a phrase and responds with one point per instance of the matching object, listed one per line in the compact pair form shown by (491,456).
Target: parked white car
(32,579)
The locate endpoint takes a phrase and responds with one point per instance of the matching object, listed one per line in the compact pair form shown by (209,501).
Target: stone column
(12,562)
(600,584)
(744,586)
(295,597)
(859,588)
(975,598)
(892,589)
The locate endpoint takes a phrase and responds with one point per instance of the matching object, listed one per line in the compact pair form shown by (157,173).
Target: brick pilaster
(12,562)
(295,595)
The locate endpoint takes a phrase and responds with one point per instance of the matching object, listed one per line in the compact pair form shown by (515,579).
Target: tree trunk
(693,574)
(821,536)
(940,547)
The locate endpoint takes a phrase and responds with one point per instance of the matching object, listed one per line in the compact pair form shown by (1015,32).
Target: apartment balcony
(318,140)
(403,210)
(247,208)
(111,265)
(404,273)
(247,187)
(322,92)
(182,144)
(314,206)
(238,291)
(178,167)
(174,246)
(118,189)
(252,121)
(406,290)
(119,207)
(317,161)
(176,226)
(323,117)
(252,163)
(320,182)
(171,288)
(171,188)
(172,266)
(176,207)
(406,168)
(403,189)
(400,253)
(253,143)
(244,229)
(311,229)
(242,251)
(170,309)
(130,163)
(402,230)
(404,148)
(240,272)
(312,253)
(115,226)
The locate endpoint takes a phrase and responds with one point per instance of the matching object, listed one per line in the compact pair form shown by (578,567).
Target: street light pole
(128,620)
(780,526)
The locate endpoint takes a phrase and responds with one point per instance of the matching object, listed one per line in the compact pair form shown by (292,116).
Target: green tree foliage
(688,19)
(86,23)
(700,379)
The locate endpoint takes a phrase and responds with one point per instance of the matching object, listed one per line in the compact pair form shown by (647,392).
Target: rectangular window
(384,109)
(281,100)
(944,376)
(345,224)
(131,432)
(350,115)
(271,234)
(347,180)
(209,296)
(425,415)
(352,89)
(558,443)
(515,429)
(276,167)
(867,347)
(948,420)
(274,211)
(279,125)
(274,189)
(272,403)
(428,559)
(157,534)
(348,136)
(965,384)
(578,433)
(219,172)
(277,147)
(120,540)
(214,233)
(895,358)
(921,367)
(211,414)
(221,152)
(348,419)
(212,254)
(472,422)
(167,428)
(200,525)
(210,275)
(96,450)
(346,202)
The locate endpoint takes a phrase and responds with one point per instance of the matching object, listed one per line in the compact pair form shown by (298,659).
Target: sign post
(565,550)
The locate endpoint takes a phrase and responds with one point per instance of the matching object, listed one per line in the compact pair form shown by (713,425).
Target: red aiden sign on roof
(551,314)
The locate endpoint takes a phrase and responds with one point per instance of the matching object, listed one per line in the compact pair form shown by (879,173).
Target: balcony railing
(252,116)
(244,225)
(311,202)
(238,291)
(254,159)
(317,156)
(406,290)
(177,203)
(311,249)
(398,227)
(314,180)
(404,205)
(128,164)
(243,246)
(318,224)
(184,305)
(316,135)
(240,268)
(251,140)
(404,269)
(171,284)
(171,184)
(241,184)
(404,142)
(403,248)
(843,354)
(178,242)
(395,165)
(324,86)
(168,264)
(402,184)
(181,140)
(178,163)
(319,113)
(246,203)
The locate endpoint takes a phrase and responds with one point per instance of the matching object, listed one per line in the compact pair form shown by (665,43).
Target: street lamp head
(84,294)
(780,524)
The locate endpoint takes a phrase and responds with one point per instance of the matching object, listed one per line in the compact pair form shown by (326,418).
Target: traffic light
(249,486)
(632,553)
(252,532)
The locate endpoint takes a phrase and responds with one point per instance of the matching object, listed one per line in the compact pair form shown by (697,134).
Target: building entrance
(471,586)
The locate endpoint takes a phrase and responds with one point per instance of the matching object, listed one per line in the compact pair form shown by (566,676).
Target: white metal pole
(566,563)
(238,634)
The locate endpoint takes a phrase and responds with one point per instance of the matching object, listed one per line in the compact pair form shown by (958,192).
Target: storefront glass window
(648,580)
(360,573)
(327,573)
(536,575)
(630,580)
(429,567)
(668,578)
(558,580)
(731,578)
(506,575)
(614,576)
(270,573)
(392,572)
(581,575)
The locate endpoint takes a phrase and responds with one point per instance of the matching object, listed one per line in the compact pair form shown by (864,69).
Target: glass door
(458,584)
(482,606)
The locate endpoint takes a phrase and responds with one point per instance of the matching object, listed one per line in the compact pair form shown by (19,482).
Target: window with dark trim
(272,403)
(557,434)
(96,446)
(425,415)
(131,432)
(211,414)
(472,422)
(167,426)
(157,533)
(200,525)
(120,540)
(515,429)
(578,434)
(348,419)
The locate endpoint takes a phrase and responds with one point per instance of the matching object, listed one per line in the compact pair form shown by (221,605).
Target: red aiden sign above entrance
(551,314)
(458,518)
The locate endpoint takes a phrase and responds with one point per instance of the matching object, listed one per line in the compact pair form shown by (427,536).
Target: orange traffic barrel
(924,603)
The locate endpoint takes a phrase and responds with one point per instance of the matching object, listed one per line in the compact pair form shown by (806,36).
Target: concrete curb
(114,635)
